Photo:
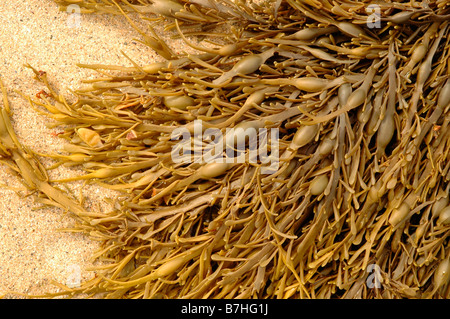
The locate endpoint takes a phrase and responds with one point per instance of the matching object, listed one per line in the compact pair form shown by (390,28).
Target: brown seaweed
(363,182)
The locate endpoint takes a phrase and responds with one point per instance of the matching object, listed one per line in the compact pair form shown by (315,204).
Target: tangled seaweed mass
(360,96)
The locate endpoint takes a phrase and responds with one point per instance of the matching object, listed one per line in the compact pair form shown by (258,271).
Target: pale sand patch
(32,250)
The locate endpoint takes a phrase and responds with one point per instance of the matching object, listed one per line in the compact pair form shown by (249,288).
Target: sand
(33,251)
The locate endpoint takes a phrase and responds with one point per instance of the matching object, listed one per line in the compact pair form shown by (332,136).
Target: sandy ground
(33,252)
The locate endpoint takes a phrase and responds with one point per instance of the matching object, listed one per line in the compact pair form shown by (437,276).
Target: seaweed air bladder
(362,115)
